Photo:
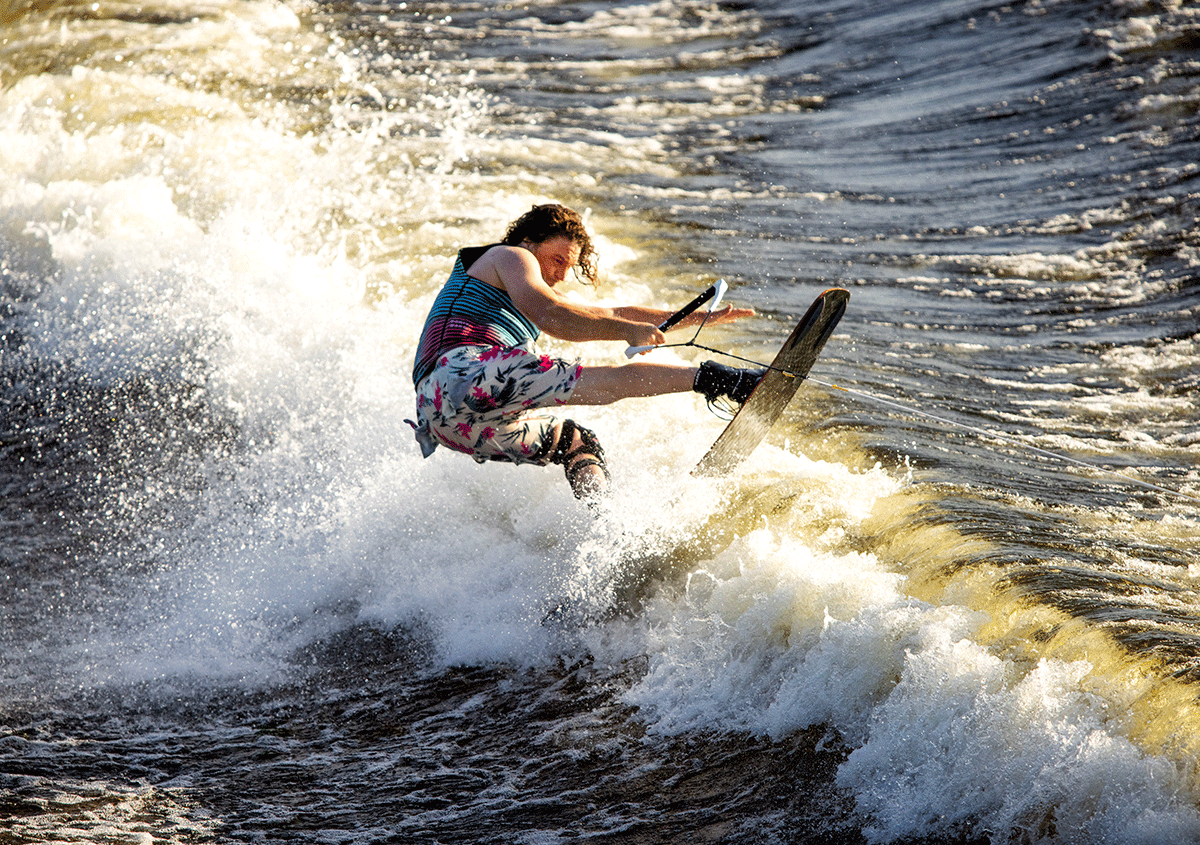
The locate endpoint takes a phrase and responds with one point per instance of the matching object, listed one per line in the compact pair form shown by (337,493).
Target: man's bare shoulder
(502,265)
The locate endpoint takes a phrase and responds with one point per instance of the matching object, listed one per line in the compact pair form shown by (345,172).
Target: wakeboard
(767,403)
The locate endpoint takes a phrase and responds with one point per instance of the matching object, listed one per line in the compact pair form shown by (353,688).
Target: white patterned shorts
(489,401)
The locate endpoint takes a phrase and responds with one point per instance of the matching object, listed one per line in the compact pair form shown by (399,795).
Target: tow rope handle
(715,293)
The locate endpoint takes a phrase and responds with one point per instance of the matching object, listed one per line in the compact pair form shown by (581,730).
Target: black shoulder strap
(472,254)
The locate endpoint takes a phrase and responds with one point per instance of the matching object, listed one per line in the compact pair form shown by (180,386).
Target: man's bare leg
(582,457)
(604,384)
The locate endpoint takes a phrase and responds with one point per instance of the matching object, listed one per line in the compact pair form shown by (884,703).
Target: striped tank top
(468,312)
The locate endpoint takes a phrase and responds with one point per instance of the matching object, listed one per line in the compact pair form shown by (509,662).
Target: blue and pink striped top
(468,312)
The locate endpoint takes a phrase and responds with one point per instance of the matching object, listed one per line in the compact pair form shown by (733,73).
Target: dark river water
(953,597)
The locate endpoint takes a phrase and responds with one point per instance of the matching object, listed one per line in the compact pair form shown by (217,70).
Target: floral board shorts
(487,401)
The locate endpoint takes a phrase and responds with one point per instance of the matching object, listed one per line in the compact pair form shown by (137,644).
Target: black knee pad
(588,454)
(589,444)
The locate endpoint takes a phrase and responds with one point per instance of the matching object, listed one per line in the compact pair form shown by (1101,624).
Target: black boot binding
(717,381)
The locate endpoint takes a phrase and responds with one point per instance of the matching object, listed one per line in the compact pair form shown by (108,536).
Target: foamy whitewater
(239,606)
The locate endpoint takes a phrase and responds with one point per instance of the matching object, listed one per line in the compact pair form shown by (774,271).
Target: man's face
(555,256)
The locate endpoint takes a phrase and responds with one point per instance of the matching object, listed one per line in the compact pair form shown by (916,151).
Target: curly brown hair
(543,222)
